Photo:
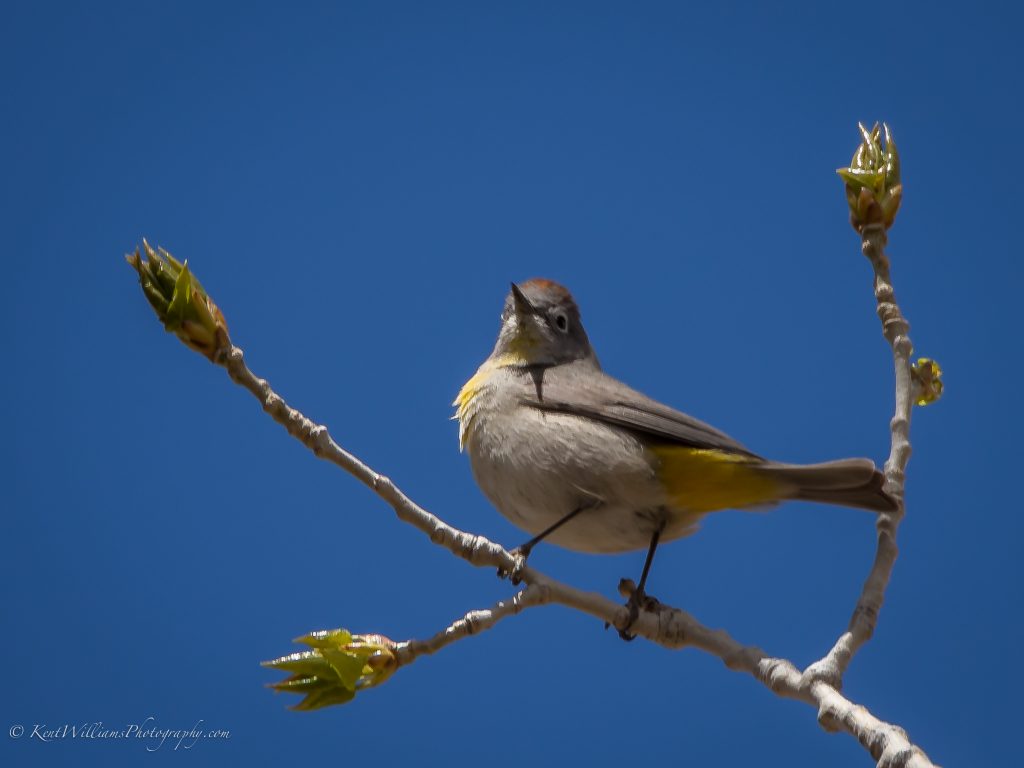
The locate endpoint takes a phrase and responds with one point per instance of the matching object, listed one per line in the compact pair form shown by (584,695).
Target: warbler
(575,457)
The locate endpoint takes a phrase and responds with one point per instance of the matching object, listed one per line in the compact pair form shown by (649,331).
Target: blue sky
(356,185)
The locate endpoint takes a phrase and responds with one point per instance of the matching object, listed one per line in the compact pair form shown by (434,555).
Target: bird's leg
(525,549)
(522,552)
(637,597)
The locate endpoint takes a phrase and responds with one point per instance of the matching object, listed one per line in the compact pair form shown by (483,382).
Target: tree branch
(341,664)
(874,191)
(472,623)
(896,329)
(476,549)
(668,627)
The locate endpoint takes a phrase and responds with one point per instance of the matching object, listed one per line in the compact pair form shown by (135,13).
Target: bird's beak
(522,304)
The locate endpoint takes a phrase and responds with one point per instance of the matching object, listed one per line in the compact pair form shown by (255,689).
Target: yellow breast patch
(463,402)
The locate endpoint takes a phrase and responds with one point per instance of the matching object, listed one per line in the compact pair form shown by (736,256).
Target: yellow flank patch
(702,480)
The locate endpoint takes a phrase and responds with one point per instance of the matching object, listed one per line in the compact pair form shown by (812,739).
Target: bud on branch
(180,302)
(927,380)
(339,666)
(873,187)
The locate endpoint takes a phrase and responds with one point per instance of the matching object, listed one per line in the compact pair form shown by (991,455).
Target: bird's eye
(561,322)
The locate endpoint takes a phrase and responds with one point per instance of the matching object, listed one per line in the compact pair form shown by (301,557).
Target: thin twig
(472,623)
(896,329)
(476,549)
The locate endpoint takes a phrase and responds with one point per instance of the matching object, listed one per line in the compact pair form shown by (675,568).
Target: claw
(634,614)
(636,601)
(515,575)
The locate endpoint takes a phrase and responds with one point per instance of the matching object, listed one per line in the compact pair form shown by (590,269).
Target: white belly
(536,467)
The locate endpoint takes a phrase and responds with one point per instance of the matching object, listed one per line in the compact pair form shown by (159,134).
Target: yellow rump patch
(702,480)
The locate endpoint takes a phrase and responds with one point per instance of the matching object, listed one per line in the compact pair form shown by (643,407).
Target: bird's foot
(515,573)
(636,600)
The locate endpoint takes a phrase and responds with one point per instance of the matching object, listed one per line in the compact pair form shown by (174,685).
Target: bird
(577,458)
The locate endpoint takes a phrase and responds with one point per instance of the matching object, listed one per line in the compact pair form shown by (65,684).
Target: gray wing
(582,389)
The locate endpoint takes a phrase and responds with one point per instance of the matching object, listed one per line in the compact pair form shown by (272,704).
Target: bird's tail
(847,482)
